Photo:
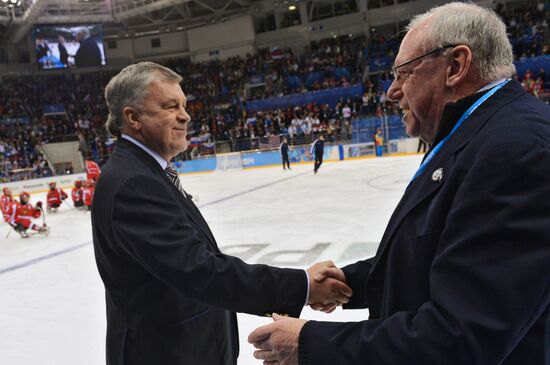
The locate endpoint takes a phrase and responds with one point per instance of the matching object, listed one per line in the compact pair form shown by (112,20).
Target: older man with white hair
(88,53)
(462,274)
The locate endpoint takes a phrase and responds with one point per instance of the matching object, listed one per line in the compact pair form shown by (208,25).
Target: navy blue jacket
(88,54)
(318,147)
(284,148)
(462,274)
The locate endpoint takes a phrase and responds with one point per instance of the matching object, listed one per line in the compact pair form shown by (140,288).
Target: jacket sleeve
(356,277)
(489,281)
(151,226)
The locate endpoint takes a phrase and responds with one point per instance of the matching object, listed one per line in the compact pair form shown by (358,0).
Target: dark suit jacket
(63,54)
(171,294)
(88,54)
(462,274)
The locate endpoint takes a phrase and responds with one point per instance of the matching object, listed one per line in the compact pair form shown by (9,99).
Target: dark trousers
(318,161)
(286,161)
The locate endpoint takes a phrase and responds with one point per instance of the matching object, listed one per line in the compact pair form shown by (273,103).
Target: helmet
(6,191)
(78,183)
(24,197)
(52,185)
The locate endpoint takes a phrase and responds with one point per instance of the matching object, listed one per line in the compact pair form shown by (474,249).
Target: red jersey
(88,195)
(56,196)
(76,194)
(5,202)
(92,170)
(6,206)
(24,213)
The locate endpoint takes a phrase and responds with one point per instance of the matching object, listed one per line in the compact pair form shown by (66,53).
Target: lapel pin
(437,176)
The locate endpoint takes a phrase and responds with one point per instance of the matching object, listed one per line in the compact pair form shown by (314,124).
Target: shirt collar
(161,161)
(492,84)
(454,110)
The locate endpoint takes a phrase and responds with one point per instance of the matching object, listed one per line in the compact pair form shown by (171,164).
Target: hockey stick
(11,229)
(44,220)
(66,202)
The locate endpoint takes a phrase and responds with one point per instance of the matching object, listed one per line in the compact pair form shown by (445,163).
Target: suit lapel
(192,211)
(196,216)
(426,185)
(417,192)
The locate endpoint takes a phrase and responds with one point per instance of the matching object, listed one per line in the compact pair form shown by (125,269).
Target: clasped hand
(277,343)
(327,287)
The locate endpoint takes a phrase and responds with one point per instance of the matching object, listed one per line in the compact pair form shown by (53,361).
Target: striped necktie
(174,178)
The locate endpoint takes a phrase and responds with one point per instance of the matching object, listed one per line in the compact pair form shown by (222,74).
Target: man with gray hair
(171,293)
(462,274)
(88,53)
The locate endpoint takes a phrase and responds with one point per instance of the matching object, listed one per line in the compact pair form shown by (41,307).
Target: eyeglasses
(402,75)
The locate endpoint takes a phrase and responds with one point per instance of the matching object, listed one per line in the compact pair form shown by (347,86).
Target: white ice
(52,308)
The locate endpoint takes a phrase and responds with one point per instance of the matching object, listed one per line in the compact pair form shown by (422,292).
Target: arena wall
(41,185)
(170,43)
(299,154)
(292,37)
(223,53)
(237,34)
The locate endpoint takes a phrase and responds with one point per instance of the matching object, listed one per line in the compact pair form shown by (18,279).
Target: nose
(394,92)
(183,116)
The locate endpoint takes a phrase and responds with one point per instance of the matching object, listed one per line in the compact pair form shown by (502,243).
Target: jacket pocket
(191,341)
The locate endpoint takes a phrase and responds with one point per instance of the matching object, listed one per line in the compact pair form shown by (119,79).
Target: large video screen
(68,46)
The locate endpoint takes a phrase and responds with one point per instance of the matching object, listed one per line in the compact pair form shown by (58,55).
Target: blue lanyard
(464,116)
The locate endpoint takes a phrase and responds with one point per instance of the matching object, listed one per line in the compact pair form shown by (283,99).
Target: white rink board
(52,309)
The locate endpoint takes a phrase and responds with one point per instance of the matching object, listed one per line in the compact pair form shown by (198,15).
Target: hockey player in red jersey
(55,197)
(88,188)
(92,170)
(6,204)
(76,194)
(24,213)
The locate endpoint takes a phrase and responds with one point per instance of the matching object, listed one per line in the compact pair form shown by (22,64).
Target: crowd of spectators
(25,124)
(300,124)
(226,81)
(334,62)
(20,160)
(218,91)
(528,28)
(534,84)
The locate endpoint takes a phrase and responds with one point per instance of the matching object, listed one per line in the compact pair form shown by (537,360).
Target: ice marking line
(76,247)
(255,188)
(42,258)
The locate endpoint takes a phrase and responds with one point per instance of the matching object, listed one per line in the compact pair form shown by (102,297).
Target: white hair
(479,28)
(84,31)
(128,88)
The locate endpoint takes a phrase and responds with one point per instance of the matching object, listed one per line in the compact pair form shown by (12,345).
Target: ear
(460,64)
(131,117)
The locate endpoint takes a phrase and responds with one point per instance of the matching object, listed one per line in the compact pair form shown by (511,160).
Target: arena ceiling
(118,16)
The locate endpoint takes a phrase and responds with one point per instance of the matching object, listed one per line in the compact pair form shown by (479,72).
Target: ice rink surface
(52,308)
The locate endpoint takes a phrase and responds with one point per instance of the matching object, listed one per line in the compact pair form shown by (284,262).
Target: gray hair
(479,28)
(84,31)
(129,87)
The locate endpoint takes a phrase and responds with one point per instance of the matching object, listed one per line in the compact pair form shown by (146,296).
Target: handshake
(327,287)
(277,343)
